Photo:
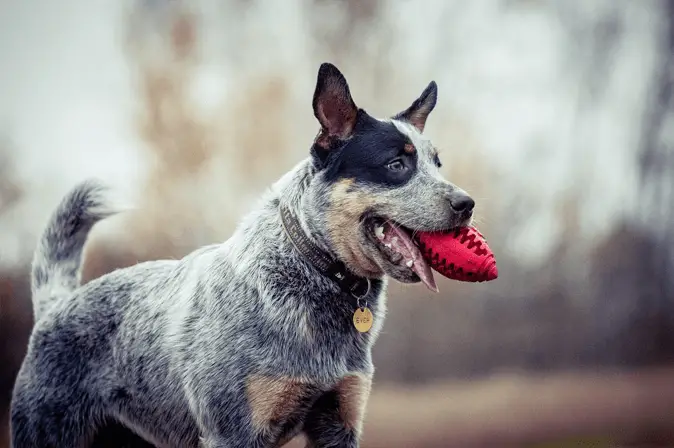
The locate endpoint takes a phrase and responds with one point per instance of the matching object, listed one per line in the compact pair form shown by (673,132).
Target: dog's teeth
(409,263)
(379,232)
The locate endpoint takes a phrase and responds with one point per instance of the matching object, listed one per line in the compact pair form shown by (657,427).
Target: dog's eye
(437,162)
(396,165)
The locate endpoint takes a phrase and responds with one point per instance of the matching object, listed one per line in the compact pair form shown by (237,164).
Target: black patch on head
(352,144)
(374,154)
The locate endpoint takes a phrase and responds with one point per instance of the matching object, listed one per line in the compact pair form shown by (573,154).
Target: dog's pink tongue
(401,242)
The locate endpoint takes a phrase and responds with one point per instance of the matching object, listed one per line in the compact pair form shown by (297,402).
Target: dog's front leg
(225,421)
(236,439)
(233,438)
(214,442)
(235,432)
(336,419)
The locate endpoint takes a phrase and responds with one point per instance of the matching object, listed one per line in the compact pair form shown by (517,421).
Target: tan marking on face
(409,148)
(353,392)
(274,400)
(346,207)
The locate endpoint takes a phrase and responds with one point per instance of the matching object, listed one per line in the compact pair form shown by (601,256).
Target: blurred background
(556,115)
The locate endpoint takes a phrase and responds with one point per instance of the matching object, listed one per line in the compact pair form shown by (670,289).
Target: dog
(253,341)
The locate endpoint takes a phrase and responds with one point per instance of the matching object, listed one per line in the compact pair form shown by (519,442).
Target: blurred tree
(15,311)
(657,146)
(657,180)
(10,190)
(633,317)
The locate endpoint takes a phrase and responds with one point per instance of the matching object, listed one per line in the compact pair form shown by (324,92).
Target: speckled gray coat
(239,344)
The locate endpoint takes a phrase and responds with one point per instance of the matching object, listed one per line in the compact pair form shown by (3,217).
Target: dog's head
(378,181)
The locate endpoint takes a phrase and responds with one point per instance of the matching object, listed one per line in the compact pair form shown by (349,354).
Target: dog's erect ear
(333,106)
(418,112)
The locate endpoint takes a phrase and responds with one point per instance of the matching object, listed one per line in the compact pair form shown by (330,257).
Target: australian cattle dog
(252,341)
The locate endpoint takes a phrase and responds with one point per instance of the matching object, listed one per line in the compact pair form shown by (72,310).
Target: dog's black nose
(462,203)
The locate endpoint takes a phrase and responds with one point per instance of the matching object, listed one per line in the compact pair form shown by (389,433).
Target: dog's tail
(56,262)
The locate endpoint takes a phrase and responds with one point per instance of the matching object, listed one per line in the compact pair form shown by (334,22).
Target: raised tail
(57,259)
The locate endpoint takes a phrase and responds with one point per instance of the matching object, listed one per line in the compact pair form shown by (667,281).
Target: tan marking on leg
(273,400)
(353,392)
(343,218)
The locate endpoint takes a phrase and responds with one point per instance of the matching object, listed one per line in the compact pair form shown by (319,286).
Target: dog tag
(362,319)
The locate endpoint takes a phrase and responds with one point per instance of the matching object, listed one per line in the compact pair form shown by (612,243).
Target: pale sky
(68,99)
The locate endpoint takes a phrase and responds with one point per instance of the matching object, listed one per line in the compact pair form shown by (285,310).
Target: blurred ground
(556,115)
(600,410)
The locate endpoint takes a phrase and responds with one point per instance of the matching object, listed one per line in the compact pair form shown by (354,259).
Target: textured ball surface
(461,254)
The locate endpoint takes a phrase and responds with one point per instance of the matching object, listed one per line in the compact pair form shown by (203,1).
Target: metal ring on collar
(359,298)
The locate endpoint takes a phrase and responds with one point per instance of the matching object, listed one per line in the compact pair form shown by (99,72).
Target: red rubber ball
(461,254)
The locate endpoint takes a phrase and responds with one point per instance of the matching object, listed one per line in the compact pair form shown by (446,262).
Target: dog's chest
(318,330)
(280,406)
(332,346)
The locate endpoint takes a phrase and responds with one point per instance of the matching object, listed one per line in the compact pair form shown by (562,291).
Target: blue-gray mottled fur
(167,348)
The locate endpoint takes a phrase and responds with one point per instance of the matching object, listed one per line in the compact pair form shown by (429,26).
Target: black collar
(357,287)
